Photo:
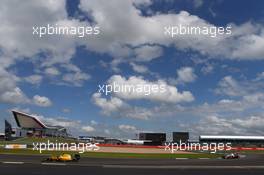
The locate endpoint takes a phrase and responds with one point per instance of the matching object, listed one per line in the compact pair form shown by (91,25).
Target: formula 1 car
(231,156)
(63,158)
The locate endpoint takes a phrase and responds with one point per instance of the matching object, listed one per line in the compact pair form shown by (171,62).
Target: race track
(29,165)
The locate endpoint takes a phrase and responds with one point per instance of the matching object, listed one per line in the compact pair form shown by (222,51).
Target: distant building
(235,140)
(2,136)
(95,139)
(180,136)
(114,141)
(8,130)
(153,138)
(29,125)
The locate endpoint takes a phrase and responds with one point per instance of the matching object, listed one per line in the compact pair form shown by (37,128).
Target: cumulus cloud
(34,79)
(88,128)
(165,92)
(73,126)
(139,68)
(76,79)
(238,88)
(113,104)
(60,121)
(127,128)
(14,96)
(217,125)
(13,40)
(244,43)
(139,37)
(117,107)
(116,104)
(42,101)
(147,53)
(16,30)
(229,86)
(52,71)
(186,75)
(9,91)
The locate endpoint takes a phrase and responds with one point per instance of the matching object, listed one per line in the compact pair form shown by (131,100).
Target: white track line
(182,167)
(181,158)
(55,164)
(13,162)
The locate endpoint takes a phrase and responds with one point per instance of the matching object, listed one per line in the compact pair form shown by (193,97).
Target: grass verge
(111,155)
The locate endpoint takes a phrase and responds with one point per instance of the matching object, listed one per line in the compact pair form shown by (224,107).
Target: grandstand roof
(24,120)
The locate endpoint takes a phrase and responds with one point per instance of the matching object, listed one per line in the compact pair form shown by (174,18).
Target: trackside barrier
(247,148)
(15,146)
(130,146)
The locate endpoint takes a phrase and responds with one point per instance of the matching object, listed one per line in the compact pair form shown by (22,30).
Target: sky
(214,86)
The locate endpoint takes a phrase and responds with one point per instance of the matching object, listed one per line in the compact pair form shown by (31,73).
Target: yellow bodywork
(65,157)
(62,157)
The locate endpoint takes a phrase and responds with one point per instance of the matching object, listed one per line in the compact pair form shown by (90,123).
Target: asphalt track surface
(32,165)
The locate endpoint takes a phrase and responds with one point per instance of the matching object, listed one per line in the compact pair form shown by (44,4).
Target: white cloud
(116,107)
(139,68)
(88,128)
(229,86)
(185,75)
(72,126)
(76,79)
(217,125)
(14,96)
(111,105)
(34,79)
(52,71)
(42,101)
(60,121)
(139,37)
(148,53)
(127,128)
(240,87)
(9,91)
(250,46)
(244,43)
(169,93)
(17,30)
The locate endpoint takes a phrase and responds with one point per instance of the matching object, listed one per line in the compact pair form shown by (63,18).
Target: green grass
(252,152)
(110,155)
(145,155)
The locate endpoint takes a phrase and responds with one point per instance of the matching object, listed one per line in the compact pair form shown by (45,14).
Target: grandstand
(29,125)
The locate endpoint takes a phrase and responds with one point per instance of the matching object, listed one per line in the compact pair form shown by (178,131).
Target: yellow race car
(63,158)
